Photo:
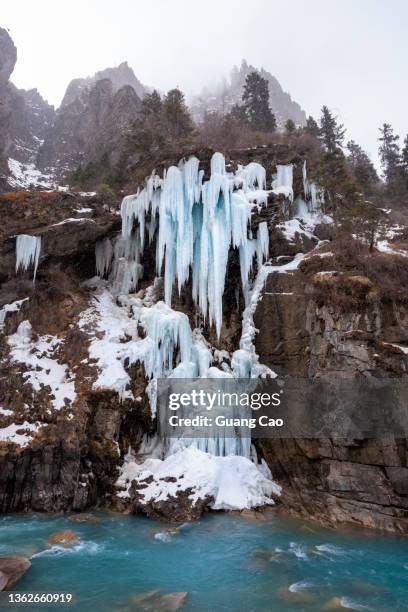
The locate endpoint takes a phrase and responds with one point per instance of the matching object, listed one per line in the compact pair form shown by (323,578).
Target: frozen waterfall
(196,223)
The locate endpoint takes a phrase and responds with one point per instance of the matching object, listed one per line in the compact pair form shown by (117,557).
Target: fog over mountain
(347,55)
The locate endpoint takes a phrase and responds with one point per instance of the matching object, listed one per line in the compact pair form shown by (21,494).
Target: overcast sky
(349,54)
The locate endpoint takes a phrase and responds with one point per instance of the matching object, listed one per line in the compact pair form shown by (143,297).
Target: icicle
(217,164)
(132,207)
(306,184)
(241,363)
(246,256)
(127,269)
(215,242)
(283,183)
(314,196)
(28,250)
(151,228)
(262,243)
(198,223)
(175,245)
(253,175)
(103,257)
(201,354)
(241,214)
(126,276)
(301,208)
(168,329)
(192,181)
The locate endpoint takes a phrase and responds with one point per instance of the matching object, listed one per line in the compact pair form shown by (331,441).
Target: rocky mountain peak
(8,56)
(90,128)
(122,75)
(25,117)
(223,96)
(119,76)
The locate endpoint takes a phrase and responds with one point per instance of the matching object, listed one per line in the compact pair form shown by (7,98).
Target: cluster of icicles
(197,222)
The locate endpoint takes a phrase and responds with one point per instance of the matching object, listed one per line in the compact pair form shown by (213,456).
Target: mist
(349,56)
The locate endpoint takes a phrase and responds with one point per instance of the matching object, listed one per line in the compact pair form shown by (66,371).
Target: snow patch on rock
(27,176)
(42,369)
(12,307)
(21,435)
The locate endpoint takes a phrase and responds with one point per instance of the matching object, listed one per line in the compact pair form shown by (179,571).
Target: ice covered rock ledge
(190,481)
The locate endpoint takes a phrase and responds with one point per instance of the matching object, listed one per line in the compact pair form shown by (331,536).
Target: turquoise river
(223,562)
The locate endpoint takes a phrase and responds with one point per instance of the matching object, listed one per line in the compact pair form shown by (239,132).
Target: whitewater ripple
(89,548)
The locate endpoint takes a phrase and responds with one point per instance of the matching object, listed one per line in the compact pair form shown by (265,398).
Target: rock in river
(66,537)
(11,570)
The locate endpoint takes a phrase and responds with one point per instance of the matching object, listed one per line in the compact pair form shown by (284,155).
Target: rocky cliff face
(60,440)
(31,122)
(39,146)
(304,332)
(91,124)
(222,98)
(25,117)
(90,129)
(8,58)
(64,440)
(119,76)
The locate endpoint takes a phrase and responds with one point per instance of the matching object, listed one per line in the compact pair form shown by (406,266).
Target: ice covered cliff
(195,223)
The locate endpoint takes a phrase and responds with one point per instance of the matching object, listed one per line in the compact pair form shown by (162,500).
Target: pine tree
(311,127)
(390,156)
(404,164)
(331,133)
(161,125)
(404,156)
(255,100)
(152,104)
(238,115)
(176,114)
(290,126)
(363,167)
(404,153)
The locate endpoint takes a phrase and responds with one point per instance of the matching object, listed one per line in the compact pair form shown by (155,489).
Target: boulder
(175,509)
(152,601)
(66,537)
(83,518)
(333,604)
(172,601)
(11,570)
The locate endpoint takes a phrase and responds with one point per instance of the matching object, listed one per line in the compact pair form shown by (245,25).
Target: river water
(223,562)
